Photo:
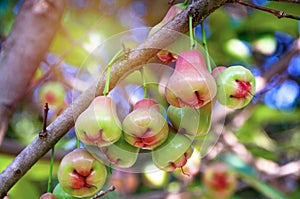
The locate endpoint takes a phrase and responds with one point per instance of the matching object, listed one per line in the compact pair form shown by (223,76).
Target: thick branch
(23,50)
(132,61)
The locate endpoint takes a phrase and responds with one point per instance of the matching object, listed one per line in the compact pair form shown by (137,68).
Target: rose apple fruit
(99,124)
(121,153)
(173,153)
(145,127)
(190,84)
(47,196)
(80,174)
(191,121)
(59,193)
(219,181)
(236,87)
(172,12)
(52,93)
(164,55)
(216,71)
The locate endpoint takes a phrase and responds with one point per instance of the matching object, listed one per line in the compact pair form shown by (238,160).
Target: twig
(287,1)
(103,193)
(277,13)
(43,133)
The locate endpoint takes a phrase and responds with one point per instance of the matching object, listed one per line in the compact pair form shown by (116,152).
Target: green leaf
(5,161)
(40,171)
(250,175)
(264,114)
(263,153)
(24,189)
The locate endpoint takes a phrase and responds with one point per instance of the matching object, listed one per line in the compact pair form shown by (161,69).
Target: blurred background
(260,144)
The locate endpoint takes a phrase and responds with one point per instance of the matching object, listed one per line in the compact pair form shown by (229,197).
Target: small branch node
(281,14)
(18,172)
(43,133)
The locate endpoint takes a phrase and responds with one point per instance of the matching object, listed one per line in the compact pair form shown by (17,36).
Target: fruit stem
(50,171)
(106,88)
(205,47)
(77,143)
(192,43)
(185,2)
(109,169)
(184,173)
(144,82)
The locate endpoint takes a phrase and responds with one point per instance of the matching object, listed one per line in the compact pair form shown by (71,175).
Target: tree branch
(23,50)
(199,10)
(277,13)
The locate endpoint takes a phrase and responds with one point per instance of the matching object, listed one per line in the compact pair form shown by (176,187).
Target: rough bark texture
(23,50)
(132,61)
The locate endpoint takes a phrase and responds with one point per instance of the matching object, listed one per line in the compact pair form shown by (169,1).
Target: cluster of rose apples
(191,92)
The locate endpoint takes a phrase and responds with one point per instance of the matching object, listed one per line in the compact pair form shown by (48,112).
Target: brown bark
(23,50)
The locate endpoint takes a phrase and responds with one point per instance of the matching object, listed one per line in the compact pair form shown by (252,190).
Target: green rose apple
(236,87)
(173,153)
(191,121)
(47,196)
(80,174)
(145,127)
(59,193)
(99,124)
(190,84)
(121,153)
